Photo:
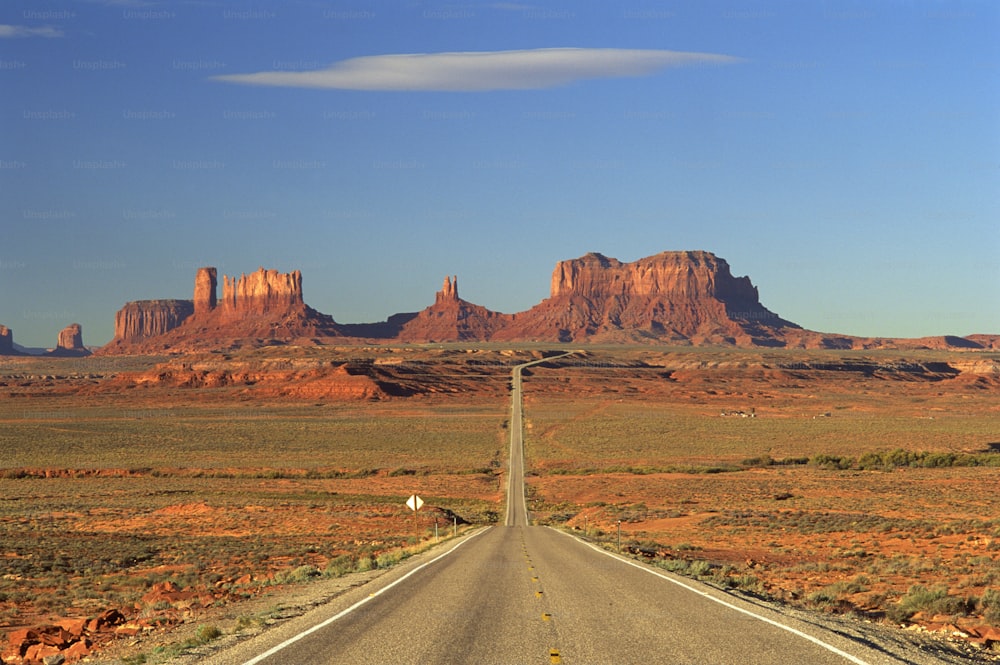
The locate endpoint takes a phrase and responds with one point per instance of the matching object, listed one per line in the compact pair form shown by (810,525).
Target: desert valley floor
(146,496)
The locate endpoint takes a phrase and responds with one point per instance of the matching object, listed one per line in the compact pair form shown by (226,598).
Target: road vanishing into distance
(521,594)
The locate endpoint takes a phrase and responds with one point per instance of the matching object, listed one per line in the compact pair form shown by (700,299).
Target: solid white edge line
(343,613)
(777,624)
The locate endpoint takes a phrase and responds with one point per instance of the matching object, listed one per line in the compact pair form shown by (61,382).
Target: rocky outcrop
(677,296)
(6,341)
(687,297)
(71,337)
(451,319)
(448,292)
(66,641)
(204,291)
(260,292)
(70,342)
(148,318)
(263,307)
(677,276)
(985,341)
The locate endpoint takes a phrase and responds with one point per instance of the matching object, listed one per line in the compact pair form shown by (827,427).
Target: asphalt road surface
(517,593)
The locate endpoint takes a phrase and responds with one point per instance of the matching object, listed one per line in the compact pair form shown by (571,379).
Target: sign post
(414,503)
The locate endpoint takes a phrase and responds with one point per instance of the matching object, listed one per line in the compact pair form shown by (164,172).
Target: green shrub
(699,568)
(832,462)
(989,606)
(930,601)
(339,566)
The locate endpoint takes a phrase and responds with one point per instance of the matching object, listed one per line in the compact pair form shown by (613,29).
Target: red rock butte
(6,341)
(70,342)
(684,297)
(676,296)
(262,306)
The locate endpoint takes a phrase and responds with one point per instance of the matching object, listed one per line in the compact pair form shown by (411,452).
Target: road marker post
(414,503)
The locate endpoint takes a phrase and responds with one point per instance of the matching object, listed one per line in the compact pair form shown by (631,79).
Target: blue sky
(844,155)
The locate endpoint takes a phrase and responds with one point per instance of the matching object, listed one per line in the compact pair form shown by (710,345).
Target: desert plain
(140,494)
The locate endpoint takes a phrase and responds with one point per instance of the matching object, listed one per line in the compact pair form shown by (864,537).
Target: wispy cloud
(10,31)
(481,71)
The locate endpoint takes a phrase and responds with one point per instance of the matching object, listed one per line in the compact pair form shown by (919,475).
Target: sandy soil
(241,521)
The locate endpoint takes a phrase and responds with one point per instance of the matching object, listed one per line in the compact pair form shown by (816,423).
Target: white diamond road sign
(414,502)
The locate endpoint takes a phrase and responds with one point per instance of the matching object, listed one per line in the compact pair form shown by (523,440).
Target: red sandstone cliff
(265,306)
(148,318)
(204,290)
(260,292)
(679,296)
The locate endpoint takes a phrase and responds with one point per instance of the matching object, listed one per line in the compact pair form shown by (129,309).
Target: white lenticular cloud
(480,71)
(9,31)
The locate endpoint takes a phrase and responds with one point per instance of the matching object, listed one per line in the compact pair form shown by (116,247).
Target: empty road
(527,594)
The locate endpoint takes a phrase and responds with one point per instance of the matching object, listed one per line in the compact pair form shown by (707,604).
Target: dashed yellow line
(554,656)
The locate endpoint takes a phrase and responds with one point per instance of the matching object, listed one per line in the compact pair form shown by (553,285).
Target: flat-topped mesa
(691,275)
(148,318)
(204,290)
(448,292)
(260,292)
(682,296)
(6,341)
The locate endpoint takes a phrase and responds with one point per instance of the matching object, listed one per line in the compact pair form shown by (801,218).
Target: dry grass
(872,495)
(819,499)
(100,502)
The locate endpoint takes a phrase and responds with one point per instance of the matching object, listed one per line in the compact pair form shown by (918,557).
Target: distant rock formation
(265,306)
(448,292)
(70,342)
(148,318)
(260,292)
(687,297)
(6,341)
(204,291)
(451,319)
(71,337)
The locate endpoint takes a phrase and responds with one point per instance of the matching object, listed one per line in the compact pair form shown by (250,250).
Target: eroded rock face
(448,292)
(257,308)
(691,275)
(70,342)
(204,290)
(6,341)
(452,319)
(71,337)
(148,318)
(260,292)
(689,296)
